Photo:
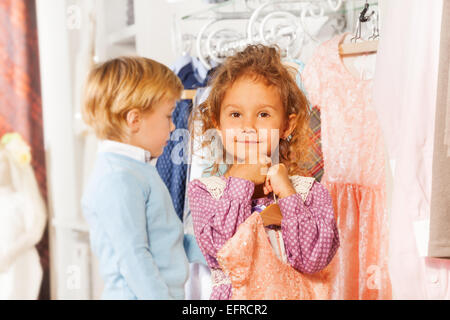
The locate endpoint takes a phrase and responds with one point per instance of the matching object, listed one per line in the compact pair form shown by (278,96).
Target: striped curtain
(20,94)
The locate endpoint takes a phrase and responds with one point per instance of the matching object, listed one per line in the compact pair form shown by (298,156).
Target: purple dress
(308,227)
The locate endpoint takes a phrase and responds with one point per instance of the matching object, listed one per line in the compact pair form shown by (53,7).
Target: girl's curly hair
(263,63)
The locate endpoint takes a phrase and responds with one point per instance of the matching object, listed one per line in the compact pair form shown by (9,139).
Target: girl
(260,114)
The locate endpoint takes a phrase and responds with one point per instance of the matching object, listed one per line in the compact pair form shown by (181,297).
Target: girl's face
(252,120)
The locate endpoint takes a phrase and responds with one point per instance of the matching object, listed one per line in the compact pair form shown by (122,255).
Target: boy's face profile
(151,130)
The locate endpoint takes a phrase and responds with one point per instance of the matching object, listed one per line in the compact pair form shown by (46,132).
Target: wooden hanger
(363,46)
(272,214)
(188,94)
(346,49)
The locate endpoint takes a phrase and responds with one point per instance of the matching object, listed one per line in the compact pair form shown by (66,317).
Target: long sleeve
(120,206)
(216,220)
(309,230)
(192,250)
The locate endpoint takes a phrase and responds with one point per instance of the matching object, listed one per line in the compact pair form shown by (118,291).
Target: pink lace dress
(220,206)
(354,174)
(257,269)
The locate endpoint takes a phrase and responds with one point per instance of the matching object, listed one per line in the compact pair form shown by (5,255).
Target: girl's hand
(255,173)
(278,182)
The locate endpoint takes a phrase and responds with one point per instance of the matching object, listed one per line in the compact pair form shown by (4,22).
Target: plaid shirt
(316,168)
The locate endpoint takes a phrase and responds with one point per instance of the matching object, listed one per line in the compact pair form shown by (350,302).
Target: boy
(134,229)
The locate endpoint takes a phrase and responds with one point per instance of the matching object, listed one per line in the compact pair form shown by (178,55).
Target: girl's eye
(235,114)
(264,115)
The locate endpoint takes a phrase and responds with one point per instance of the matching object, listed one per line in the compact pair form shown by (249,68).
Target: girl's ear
(134,120)
(292,123)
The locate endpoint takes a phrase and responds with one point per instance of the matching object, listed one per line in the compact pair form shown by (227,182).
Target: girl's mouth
(253,139)
(248,142)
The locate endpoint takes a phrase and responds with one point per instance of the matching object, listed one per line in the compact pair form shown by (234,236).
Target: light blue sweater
(135,232)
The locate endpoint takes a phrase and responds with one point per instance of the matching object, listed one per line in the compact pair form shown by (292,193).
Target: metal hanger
(356,47)
(362,19)
(376,28)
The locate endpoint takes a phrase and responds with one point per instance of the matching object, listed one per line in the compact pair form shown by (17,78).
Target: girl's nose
(248,129)
(249,125)
(172,126)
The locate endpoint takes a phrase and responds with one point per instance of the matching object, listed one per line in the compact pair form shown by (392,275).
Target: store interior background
(73,34)
(67,36)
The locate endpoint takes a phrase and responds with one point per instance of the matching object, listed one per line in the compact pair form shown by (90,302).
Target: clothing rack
(271,23)
(281,23)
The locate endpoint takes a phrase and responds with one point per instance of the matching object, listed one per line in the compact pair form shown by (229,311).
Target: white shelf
(125,36)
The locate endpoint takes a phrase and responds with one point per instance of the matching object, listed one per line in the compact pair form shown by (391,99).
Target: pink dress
(354,165)
(256,272)
(219,206)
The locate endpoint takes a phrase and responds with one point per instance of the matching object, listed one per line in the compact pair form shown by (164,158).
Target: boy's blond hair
(119,85)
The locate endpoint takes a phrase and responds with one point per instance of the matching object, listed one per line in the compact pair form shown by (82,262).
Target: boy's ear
(292,123)
(134,120)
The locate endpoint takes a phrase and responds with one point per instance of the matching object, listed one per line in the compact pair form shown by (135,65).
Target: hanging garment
(172,164)
(316,168)
(220,205)
(22,223)
(198,160)
(173,172)
(255,262)
(20,96)
(198,286)
(191,72)
(405,101)
(439,245)
(354,174)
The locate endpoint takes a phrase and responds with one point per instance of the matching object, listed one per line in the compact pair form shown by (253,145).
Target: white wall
(57,102)
(156,20)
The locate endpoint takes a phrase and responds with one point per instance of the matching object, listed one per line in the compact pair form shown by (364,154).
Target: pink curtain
(405,92)
(439,245)
(20,93)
